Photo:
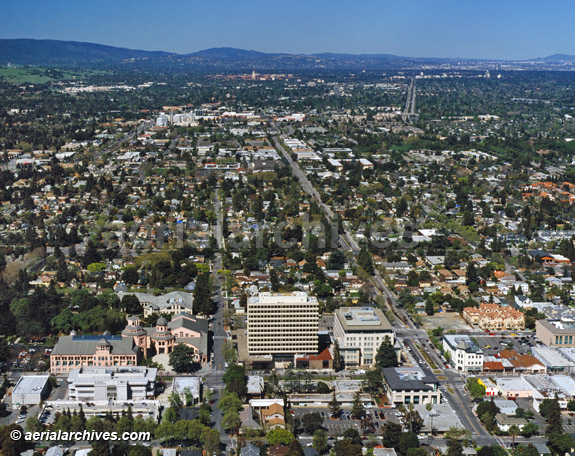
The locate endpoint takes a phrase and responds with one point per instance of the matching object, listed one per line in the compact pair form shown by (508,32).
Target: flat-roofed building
(255,386)
(466,356)
(411,385)
(553,360)
(556,333)
(514,388)
(30,390)
(282,324)
(188,386)
(90,384)
(359,332)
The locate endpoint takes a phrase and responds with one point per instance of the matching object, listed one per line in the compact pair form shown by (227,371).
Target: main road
(452,384)
(214,378)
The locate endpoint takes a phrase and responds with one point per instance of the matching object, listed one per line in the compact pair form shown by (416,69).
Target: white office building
(30,390)
(359,331)
(465,355)
(93,384)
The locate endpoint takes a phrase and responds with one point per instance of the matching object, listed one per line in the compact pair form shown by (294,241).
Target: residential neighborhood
(286,263)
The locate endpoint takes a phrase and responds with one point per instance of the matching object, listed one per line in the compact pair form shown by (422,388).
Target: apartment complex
(465,355)
(556,333)
(359,331)
(494,317)
(282,324)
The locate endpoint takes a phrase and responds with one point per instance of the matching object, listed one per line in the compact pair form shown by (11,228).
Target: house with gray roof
(250,450)
(169,303)
(248,420)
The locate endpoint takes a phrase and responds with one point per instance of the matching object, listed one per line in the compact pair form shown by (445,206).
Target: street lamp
(431,413)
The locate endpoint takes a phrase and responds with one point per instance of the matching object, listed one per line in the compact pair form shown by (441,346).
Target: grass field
(37,75)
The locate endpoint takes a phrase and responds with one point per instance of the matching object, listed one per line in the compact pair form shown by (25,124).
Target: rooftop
(362,319)
(409,378)
(462,342)
(29,384)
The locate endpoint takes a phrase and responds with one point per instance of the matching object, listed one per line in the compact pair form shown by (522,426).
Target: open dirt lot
(446,321)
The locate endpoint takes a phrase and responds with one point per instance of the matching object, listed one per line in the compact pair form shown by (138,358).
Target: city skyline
(446,29)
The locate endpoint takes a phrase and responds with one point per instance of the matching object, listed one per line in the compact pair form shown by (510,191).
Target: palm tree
(429,408)
(513,432)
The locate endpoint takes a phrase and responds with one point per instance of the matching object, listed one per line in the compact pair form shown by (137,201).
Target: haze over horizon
(512,30)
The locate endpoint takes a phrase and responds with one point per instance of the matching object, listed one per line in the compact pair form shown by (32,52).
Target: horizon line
(293,53)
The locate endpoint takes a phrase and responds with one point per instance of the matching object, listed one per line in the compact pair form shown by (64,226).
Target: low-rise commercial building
(90,384)
(411,385)
(188,386)
(556,333)
(515,388)
(553,360)
(30,390)
(359,332)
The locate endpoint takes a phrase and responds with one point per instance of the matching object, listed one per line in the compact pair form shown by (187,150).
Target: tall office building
(282,324)
(360,331)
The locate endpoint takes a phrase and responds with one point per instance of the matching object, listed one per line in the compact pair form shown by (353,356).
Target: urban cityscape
(233,252)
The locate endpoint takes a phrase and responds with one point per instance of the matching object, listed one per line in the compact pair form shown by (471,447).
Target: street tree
(358,409)
(334,407)
(386,356)
(182,359)
(320,441)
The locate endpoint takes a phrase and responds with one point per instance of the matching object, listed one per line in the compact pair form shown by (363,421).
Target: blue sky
(513,29)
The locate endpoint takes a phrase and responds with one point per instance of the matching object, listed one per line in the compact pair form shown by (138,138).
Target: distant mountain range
(73,53)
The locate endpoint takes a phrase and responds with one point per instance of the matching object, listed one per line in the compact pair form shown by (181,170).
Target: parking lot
(338,426)
(491,345)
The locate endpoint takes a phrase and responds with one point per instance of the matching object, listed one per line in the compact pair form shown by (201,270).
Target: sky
(492,29)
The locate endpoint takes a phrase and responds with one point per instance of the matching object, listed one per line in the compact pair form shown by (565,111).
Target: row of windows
(271,333)
(561,340)
(91,363)
(90,357)
(252,308)
(278,340)
(283,345)
(299,321)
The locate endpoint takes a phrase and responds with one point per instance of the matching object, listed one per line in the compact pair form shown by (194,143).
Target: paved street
(452,383)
